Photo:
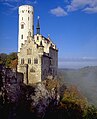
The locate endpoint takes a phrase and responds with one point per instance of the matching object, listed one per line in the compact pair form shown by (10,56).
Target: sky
(71,24)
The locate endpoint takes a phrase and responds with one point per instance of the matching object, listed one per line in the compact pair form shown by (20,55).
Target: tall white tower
(26,23)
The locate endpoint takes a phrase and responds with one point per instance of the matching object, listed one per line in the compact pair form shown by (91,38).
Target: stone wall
(41,64)
(54,60)
(45,67)
(34,69)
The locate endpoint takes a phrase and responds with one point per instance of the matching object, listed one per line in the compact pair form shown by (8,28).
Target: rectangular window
(22,18)
(22,11)
(35,61)
(28,18)
(37,38)
(29,60)
(22,36)
(22,61)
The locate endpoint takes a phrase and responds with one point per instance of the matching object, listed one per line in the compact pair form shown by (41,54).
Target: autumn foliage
(9,60)
(14,63)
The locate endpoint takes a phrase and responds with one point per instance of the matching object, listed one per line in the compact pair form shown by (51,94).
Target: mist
(85,79)
(76,64)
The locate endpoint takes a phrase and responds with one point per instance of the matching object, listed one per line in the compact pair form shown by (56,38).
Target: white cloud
(90,10)
(89,6)
(78,4)
(58,12)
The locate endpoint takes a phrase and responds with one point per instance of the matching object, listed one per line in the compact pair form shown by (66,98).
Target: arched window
(32,70)
(35,61)
(22,26)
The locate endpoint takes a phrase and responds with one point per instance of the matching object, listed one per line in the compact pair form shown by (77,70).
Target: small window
(22,26)
(32,70)
(22,18)
(22,61)
(51,62)
(29,60)
(35,61)
(28,18)
(22,36)
(28,11)
(22,11)
(21,44)
(37,38)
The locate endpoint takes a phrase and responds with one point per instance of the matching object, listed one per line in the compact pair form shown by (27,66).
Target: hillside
(85,79)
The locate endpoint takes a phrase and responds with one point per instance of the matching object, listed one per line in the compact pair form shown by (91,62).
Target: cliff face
(42,101)
(33,99)
(42,98)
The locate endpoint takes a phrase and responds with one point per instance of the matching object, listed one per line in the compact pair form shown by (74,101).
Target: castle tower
(26,23)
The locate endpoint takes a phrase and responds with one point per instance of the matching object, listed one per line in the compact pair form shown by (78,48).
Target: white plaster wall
(26,17)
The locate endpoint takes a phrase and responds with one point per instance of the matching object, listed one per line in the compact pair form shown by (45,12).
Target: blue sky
(72,25)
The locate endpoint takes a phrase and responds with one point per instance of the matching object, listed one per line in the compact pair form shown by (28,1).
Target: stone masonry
(37,58)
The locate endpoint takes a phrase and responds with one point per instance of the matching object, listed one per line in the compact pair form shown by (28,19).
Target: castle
(37,55)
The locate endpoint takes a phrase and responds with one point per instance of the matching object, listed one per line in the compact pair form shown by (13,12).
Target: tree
(14,63)
(90,113)
(72,95)
(3,58)
(12,56)
(73,104)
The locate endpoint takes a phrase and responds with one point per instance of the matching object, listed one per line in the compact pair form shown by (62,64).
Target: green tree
(11,57)
(90,112)
(7,59)
(3,58)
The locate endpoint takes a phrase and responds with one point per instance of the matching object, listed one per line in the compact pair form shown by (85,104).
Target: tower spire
(38,25)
